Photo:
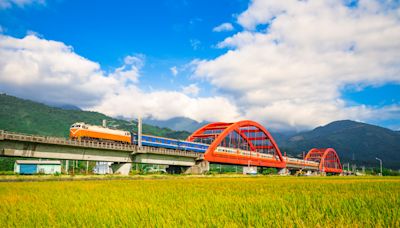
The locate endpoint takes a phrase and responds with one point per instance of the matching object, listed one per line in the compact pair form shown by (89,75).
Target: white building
(36,166)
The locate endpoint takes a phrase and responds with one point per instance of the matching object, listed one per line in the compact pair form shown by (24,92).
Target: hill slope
(176,123)
(350,139)
(355,142)
(26,116)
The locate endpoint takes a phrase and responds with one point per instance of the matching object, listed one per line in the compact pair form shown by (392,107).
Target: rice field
(204,202)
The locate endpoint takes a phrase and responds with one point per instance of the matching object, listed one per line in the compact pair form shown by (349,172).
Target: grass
(215,202)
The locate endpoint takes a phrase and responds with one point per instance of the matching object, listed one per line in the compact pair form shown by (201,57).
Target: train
(84,131)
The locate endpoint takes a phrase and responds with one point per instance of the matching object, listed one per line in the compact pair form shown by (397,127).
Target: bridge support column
(199,168)
(66,166)
(121,168)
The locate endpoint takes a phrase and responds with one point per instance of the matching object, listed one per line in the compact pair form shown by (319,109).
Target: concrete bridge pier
(66,166)
(122,168)
(200,167)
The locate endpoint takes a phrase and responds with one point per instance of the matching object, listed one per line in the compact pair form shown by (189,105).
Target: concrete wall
(48,169)
(66,152)
(37,150)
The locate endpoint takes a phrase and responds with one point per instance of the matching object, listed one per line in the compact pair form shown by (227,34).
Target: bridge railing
(93,144)
(64,141)
(296,161)
(165,151)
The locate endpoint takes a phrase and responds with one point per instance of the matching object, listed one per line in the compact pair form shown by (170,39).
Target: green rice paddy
(204,202)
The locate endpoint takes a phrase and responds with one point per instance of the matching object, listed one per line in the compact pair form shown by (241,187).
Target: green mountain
(30,117)
(355,142)
(176,123)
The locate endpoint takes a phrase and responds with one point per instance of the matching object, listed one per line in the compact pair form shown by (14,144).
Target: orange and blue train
(83,131)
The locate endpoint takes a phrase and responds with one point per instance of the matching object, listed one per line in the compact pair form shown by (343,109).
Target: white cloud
(223,27)
(129,71)
(51,72)
(163,105)
(191,89)
(286,69)
(291,73)
(174,70)
(4,4)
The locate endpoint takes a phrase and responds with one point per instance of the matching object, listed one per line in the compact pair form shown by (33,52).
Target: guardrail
(164,151)
(300,162)
(63,141)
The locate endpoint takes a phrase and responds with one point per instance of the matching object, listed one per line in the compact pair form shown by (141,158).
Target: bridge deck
(135,150)
(132,149)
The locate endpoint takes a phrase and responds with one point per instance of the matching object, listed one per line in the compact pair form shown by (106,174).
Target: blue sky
(262,67)
(165,31)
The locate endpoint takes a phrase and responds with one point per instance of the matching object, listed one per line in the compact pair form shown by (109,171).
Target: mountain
(176,123)
(67,107)
(30,117)
(355,142)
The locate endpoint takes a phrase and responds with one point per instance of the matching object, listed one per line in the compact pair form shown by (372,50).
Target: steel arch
(227,128)
(328,159)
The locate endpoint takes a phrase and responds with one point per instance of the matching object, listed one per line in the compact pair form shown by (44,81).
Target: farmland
(210,201)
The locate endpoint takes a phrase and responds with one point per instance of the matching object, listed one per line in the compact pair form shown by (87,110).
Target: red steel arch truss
(328,159)
(244,142)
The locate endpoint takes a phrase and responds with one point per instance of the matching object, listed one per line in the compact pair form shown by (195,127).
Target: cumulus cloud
(163,105)
(174,70)
(51,72)
(223,27)
(191,89)
(4,4)
(290,63)
(129,71)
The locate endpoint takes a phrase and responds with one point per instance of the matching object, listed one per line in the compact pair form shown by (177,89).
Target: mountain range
(356,143)
(176,123)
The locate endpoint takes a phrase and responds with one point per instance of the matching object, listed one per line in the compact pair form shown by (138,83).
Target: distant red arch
(328,159)
(261,141)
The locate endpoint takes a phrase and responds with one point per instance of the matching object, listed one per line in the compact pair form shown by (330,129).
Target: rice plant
(204,202)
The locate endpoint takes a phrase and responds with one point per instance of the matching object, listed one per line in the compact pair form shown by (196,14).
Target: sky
(290,65)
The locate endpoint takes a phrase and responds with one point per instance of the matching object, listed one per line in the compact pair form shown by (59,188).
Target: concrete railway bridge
(245,143)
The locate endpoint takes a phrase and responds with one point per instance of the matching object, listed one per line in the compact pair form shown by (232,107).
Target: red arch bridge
(245,143)
(249,143)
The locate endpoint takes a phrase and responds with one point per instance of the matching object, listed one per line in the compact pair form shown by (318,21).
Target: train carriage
(91,132)
(85,131)
(156,141)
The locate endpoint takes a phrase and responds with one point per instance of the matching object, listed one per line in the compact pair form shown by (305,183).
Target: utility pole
(140,132)
(380,161)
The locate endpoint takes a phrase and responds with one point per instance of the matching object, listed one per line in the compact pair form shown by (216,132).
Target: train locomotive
(83,131)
